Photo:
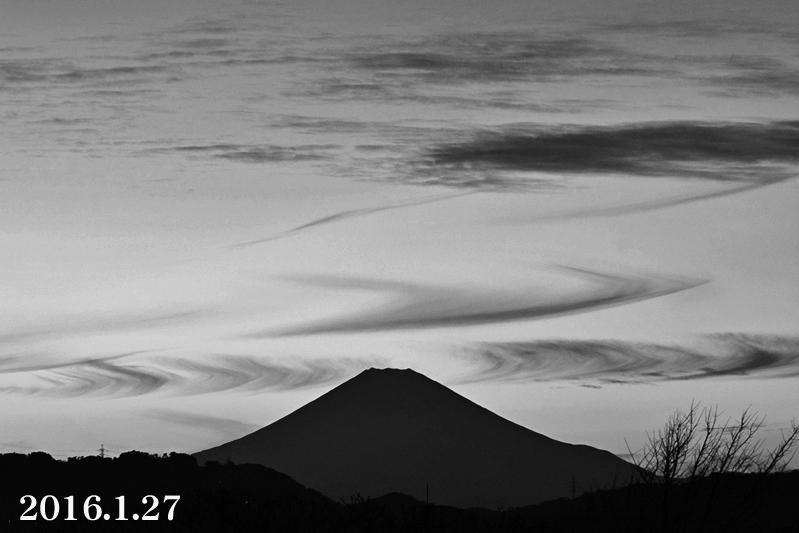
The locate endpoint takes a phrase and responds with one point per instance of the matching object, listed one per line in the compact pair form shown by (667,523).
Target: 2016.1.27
(49,508)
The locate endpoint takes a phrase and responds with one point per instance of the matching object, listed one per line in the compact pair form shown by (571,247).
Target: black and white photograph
(398,266)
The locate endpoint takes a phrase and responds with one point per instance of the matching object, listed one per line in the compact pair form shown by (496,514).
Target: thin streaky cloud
(313,124)
(227,427)
(756,82)
(251,153)
(417,306)
(19,445)
(348,214)
(92,38)
(124,72)
(500,56)
(336,91)
(7,365)
(661,203)
(425,71)
(73,325)
(689,27)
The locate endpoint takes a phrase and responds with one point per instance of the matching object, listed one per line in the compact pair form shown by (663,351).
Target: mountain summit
(398,431)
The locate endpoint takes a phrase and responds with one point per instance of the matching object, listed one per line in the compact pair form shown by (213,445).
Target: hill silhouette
(252,498)
(392,430)
(213,498)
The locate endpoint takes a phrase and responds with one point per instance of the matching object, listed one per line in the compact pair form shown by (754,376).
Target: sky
(581,216)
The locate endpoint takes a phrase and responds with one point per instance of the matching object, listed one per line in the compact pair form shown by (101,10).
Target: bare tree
(695,444)
(696,451)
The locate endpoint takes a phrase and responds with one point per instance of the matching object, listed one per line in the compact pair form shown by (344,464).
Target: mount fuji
(390,430)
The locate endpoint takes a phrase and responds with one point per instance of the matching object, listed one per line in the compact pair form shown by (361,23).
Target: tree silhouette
(696,459)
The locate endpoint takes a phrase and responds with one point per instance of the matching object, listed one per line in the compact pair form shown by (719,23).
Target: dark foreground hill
(392,430)
(240,497)
(251,498)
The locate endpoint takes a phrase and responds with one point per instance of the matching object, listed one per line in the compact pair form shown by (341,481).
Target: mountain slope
(399,431)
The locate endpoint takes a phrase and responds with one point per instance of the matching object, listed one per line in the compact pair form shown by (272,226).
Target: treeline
(729,503)
(218,498)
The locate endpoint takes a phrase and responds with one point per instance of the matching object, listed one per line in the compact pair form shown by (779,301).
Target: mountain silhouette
(396,430)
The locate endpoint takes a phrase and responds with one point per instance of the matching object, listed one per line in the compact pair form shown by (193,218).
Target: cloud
(462,70)
(238,39)
(349,89)
(93,38)
(206,43)
(129,73)
(500,70)
(19,445)
(256,58)
(16,364)
(311,124)
(117,376)
(248,153)
(758,83)
(252,374)
(88,324)
(764,179)
(677,149)
(499,56)
(604,362)
(203,51)
(387,92)
(46,71)
(418,306)
(206,26)
(89,376)
(348,214)
(740,156)
(424,71)
(743,76)
(689,27)
(226,426)
(485,68)
(16,71)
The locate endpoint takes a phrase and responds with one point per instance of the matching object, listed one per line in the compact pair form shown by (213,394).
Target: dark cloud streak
(248,153)
(679,149)
(736,156)
(416,306)
(348,214)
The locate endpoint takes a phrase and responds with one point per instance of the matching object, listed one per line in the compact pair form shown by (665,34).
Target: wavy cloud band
(417,306)
(593,363)
(112,376)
